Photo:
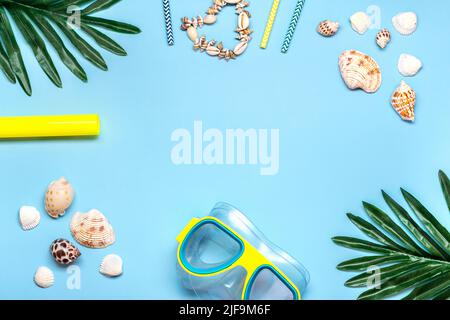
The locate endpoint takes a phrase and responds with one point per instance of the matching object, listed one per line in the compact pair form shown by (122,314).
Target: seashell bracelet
(211,47)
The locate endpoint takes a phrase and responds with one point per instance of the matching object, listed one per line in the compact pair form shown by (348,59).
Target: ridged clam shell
(383,38)
(404,100)
(405,23)
(409,65)
(29,217)
(360,71)
(111,266)
(58,198)
(360,22)
(44,277)
(64,252)
(328,28)
(92,229)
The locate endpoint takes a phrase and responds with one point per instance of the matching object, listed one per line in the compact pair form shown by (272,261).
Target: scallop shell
(44,277)
(64,252)
(403,100)
(58,198)
(29,217)
(409,65)
(405,23)
(92,229)
(360,71)
(328,28)
(360,22)
(111,266)
(383,38)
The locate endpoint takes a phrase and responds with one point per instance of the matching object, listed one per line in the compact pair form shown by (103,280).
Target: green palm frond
(412,256)
(47,22)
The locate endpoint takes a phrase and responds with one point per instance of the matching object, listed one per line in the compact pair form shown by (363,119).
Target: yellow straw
(49,126)
(269,25)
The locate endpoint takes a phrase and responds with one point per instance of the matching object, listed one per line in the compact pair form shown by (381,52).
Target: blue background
(338,147)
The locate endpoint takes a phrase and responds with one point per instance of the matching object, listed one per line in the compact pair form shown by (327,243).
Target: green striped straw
(293,25)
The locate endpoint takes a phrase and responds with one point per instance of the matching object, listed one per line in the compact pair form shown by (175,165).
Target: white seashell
(210,19)
(29,217)
(58,198)
(192,33)
(233,1)
(383,38)
(240,48)
(405,23)
(243,21)
(111,266)
(404,100)
(360,22)
(328,28)
(92,229)
(212,51)
(360,71)
(409,65)
(44,277)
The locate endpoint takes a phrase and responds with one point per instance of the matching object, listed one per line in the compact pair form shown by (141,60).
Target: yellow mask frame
(249,258)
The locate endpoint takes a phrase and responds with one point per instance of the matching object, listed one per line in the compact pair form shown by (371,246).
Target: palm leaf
(418,260)
(445,184)
(44,23)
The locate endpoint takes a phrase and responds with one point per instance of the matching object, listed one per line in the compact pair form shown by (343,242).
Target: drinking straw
(168,19)
(292,26)
(49,126)
(269,25)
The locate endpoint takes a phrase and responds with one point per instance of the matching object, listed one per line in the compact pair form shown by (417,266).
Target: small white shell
(240,48)
(192,33)
(44,277)
(111,266)
(405,23)
(360,22)
(243,21)
(29,217)
(409,65)
(210,19)
(383,38)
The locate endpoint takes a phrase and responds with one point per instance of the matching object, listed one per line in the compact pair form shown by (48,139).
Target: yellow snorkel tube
(25,127)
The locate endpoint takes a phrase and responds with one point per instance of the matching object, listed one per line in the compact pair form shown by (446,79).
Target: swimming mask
(224,256)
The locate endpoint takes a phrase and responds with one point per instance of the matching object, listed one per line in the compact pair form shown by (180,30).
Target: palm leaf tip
(445,184)
(33,16)
(418,261)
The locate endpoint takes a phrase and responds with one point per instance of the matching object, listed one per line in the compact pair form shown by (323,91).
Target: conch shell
(403,100)
(58,198)
(92,229)
(360,71)
(328,28)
